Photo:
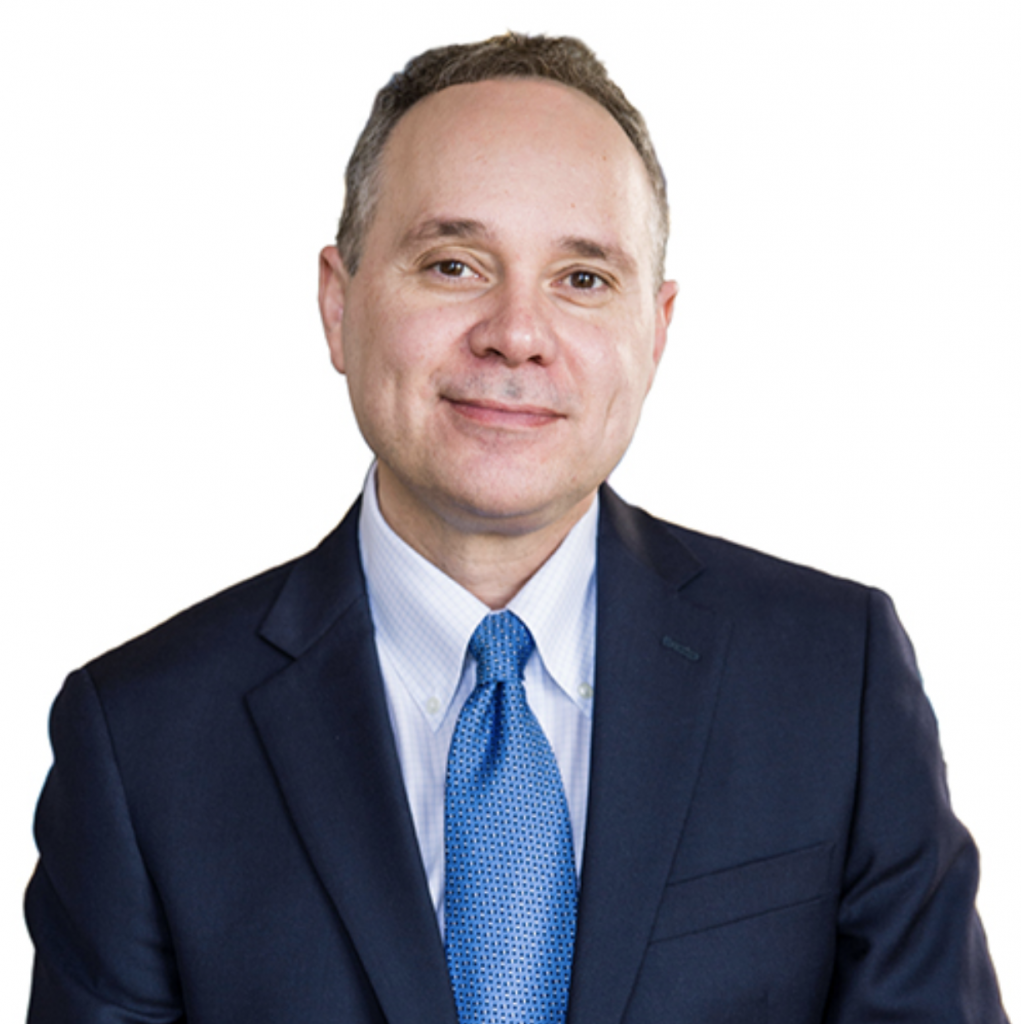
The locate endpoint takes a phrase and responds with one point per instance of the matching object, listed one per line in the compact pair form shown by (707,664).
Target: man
(504,748)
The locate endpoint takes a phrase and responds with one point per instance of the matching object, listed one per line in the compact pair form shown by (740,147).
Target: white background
(841,385)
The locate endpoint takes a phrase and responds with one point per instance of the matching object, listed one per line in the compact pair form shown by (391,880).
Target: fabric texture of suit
(225,840)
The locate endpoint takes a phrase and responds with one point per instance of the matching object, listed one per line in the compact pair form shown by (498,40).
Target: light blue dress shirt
(423,621)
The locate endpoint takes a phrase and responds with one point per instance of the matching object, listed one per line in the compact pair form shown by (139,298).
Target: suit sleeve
(103,950)
(910,944)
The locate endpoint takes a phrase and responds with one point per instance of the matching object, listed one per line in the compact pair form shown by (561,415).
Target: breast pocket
(742,892)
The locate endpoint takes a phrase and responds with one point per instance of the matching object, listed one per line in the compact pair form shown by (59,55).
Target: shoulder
(177,696)
(729,576)
(229,642)
(230,618)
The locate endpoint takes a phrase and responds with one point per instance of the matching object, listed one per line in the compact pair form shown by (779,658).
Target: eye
(452,268)
(585,280)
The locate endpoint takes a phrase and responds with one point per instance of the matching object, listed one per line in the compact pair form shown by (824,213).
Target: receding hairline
(563,60)
(454,226)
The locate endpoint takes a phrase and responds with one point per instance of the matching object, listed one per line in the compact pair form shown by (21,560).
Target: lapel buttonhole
(682,649)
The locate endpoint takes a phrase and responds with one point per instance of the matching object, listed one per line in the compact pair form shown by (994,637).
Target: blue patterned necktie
(511,891)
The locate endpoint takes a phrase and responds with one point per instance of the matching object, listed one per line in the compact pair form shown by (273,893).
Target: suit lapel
(658,661)
(326,729)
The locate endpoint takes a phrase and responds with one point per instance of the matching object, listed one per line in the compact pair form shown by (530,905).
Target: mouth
(509,416)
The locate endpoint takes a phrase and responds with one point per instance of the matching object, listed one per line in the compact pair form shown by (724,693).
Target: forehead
(493,106)
(513,148)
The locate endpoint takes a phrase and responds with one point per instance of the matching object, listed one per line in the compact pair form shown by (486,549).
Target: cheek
(621,375)
(392,369)
(371,349)
(412,343)
(626,397)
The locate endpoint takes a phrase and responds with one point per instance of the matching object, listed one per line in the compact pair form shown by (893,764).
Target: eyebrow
(588,249)
(438,228)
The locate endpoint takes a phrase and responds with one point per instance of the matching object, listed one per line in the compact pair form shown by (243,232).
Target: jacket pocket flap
(742,892)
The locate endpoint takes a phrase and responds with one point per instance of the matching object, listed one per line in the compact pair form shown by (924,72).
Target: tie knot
(501,645)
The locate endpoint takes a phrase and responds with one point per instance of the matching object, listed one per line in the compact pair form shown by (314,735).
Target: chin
(512,510)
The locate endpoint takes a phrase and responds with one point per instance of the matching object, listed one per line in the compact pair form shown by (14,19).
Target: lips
(503,414)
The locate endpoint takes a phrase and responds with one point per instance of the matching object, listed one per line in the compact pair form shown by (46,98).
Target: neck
(491,564)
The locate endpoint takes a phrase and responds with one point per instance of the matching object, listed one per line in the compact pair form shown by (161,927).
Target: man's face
(504,325)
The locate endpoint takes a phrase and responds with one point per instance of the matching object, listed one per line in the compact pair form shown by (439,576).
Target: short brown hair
(562,59)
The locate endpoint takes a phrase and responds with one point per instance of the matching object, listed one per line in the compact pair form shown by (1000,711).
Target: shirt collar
(424,619)
(558,604)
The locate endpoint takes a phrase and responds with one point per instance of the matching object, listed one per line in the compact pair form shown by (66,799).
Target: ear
(664,314)
(333,280)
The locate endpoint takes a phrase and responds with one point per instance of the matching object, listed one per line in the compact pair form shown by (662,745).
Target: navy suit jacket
(225,839)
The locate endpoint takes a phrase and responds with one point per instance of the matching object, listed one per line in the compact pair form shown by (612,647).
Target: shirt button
(585,691)
(432,705)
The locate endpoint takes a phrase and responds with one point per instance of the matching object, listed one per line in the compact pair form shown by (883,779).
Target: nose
(515,326)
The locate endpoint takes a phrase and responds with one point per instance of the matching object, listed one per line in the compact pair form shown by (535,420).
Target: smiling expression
(505,323)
